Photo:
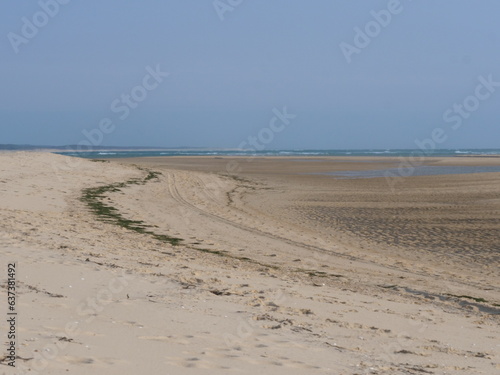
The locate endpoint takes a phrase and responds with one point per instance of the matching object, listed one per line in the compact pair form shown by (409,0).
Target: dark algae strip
(479,300)
(93,198)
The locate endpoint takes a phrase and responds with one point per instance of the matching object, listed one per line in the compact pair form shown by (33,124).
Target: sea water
(100,154)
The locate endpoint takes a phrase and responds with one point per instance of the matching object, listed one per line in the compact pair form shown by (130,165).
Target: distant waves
(296,153)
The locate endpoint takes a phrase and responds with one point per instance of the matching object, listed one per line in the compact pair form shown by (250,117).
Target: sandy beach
(211,265)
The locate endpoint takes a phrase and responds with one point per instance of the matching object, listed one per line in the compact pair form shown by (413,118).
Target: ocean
(297,153)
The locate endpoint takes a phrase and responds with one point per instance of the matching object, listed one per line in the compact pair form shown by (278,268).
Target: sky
(289,74)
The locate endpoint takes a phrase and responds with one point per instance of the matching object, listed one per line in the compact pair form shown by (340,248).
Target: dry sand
(277,271)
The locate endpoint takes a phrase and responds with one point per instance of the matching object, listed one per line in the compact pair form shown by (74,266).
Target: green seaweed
(99,161)
(227,255)
(92,197)
(479,300)
(313,273)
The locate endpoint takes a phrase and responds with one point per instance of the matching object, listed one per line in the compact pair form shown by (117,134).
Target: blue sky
(227,75)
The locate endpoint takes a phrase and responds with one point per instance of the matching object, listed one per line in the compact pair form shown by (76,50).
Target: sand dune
(259,281)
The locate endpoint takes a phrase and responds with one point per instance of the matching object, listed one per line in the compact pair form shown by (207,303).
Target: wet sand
(453,219)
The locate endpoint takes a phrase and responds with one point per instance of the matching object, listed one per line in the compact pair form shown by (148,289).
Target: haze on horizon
(211,73)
